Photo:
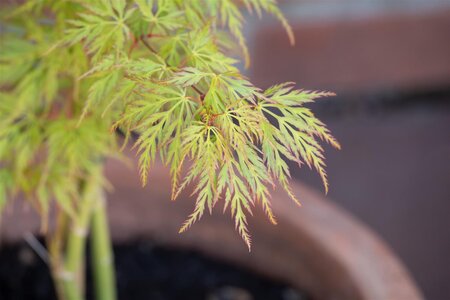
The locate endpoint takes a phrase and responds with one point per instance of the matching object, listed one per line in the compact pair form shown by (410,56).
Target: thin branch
(149,47)
(198,91)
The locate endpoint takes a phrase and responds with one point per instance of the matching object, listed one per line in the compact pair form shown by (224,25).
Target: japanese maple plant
(76,73)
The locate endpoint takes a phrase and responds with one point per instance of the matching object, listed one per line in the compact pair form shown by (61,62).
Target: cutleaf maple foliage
(75,72)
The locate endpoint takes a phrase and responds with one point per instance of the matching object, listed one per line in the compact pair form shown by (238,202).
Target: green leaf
(189,76)
(164,72)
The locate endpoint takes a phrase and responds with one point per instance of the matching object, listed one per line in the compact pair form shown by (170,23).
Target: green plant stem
(102,255)
(55,242)
(73,273)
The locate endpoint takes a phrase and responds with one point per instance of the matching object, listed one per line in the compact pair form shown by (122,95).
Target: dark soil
(145,271)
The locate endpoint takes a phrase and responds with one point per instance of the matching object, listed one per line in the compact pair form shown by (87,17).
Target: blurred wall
(357,47)
(389,61)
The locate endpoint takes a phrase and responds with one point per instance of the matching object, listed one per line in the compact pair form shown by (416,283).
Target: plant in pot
(82,79)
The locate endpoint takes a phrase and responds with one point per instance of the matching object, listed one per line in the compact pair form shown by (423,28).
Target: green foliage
(75,71)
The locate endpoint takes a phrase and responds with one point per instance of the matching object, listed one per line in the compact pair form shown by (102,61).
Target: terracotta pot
(317,247)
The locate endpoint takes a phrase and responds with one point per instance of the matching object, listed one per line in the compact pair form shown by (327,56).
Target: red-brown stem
(147,45)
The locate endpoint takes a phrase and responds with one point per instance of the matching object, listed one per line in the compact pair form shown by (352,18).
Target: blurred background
(389,63)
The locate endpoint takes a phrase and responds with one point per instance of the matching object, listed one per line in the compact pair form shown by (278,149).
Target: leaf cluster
(74,72)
